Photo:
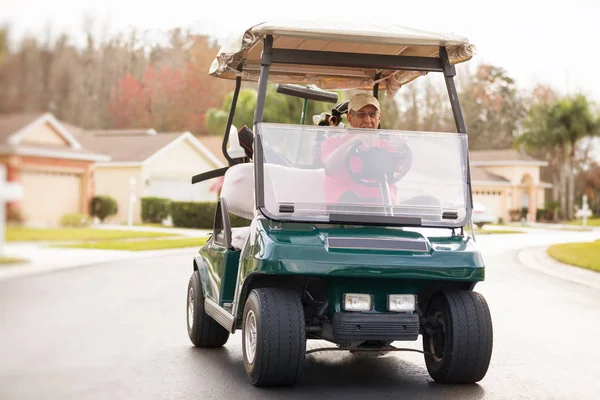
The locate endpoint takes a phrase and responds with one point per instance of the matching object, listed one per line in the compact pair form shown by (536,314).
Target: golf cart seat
(294,185)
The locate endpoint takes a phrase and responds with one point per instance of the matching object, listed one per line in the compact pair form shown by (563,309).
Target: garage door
(48,196)
(181,190)
(492,200)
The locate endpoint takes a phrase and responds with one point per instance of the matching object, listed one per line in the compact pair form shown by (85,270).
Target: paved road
(117,330)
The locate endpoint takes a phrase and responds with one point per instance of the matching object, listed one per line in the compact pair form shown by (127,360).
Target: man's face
(367,117)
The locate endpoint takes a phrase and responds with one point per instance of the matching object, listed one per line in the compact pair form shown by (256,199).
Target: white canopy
(359,38)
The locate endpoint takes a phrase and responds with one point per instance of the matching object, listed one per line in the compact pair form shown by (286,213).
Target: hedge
(200,215)
(155,209)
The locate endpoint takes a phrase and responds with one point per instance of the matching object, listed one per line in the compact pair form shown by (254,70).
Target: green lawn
(139,245)
(495,231)
(584,255)
(11,260)
(590,222)
(23,234)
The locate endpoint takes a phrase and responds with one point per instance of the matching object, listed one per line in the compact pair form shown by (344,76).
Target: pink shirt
(336,185)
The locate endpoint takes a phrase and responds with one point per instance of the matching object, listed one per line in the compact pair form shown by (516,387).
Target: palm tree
(576,121)
(556,130)
(543,137)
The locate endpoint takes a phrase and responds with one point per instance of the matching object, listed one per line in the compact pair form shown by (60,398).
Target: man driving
(364,111)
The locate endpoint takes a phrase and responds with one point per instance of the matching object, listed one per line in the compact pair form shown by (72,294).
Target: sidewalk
(179,231)
(536,258)
(551,226)
(43,259)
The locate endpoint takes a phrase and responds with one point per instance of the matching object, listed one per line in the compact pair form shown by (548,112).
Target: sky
(550,42)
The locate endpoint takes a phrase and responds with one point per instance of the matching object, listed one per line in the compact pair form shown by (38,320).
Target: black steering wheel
(379,165)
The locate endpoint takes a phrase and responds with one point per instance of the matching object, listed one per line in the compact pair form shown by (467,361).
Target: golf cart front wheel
(459,345)
(273,337)
(202,329)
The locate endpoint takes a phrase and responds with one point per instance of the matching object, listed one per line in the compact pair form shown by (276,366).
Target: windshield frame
(344,216)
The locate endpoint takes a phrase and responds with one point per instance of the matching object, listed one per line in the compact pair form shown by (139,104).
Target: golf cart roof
(351,38)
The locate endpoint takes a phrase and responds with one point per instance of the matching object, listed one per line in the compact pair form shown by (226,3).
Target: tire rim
(190,308)
(438,340)
(250,336)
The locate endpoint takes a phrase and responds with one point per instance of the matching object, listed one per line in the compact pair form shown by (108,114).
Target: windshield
(332,174)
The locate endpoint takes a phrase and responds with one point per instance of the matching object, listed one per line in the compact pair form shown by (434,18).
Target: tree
(492,107)
(278,108)
(3,44)
(542,137)
(589,182)
(557,129)
(575,120)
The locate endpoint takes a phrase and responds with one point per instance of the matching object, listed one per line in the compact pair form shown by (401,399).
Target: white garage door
(492,200)
(48,196)
(181,190)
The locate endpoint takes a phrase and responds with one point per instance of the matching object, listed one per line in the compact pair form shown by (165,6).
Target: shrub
(187,214)
(515,214)
(15,216)
(103,206)
(75,220)
(199,215)
(155,209)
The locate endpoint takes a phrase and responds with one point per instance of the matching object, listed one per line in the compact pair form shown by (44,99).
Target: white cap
(360,100)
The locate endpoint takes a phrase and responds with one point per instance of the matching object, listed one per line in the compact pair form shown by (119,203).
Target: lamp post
(132,199)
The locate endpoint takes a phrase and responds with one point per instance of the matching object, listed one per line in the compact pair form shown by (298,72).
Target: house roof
(12,123)
(214,145)
(137,145)
(127,148)
(481,175)
(506,156)
(13,127)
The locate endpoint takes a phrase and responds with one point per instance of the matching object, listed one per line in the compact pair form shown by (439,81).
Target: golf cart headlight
(357,302)
(402,302)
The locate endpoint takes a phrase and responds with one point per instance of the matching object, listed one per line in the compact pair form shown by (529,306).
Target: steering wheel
(379,164)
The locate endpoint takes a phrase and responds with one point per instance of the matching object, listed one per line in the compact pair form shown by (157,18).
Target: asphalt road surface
(118,331)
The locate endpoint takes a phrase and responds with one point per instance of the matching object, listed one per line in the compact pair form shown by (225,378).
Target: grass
(590,222)
(584,255)
(139,245)
(495,231)
(11,260)
(24,234)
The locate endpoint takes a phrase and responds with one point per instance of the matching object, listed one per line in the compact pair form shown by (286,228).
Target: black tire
(280,337)
(463,348)
(480,225)
(202,329)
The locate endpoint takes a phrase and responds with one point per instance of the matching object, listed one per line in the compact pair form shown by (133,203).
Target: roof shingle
(12,123)
(499,155)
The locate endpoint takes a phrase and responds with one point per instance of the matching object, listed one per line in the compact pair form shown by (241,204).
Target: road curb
(537,259)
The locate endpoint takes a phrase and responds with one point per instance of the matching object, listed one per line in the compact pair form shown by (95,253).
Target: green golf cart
(362,275)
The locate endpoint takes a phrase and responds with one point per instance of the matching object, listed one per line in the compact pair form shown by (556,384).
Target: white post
(584,206)
(585,211)
(132,199)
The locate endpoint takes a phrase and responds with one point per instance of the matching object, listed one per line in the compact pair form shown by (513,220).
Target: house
(61,167)
(504,180)
(146,163)
(55,171)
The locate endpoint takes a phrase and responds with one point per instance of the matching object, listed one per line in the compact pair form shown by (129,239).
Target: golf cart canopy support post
(236,92)
(449,73)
